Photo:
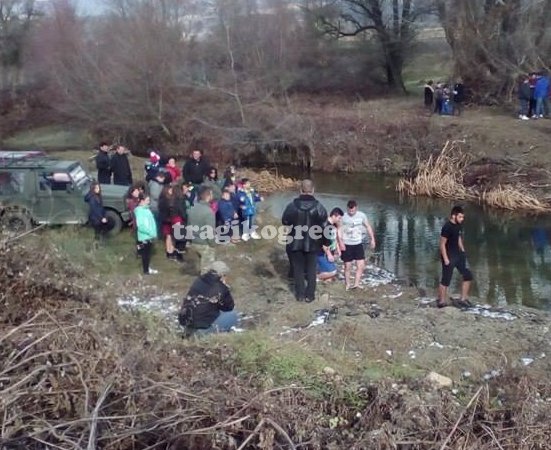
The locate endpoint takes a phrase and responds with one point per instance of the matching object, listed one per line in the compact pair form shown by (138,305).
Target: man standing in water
(354,223)
(452,255)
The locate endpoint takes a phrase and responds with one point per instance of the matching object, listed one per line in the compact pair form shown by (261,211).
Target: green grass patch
(378,371)
(281,362)
(50,138)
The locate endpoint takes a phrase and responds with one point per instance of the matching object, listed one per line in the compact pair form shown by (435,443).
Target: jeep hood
(113,191)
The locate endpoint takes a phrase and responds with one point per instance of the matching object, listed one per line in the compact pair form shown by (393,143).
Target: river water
(509,254)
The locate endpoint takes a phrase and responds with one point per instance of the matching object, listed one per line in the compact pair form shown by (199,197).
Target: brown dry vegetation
(443,175)
(78,372)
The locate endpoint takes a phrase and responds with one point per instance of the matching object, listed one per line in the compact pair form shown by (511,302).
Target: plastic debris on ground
(491,312)
(167,305)
(526,361)
(491,374)
(373,276)
(393,296)
(487,311)
(322,316)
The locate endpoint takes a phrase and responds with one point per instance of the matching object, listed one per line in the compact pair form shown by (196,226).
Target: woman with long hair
(146,232)
(132,200)
(170,214)
(97,216)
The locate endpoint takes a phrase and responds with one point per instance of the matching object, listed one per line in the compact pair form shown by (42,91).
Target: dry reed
(268,182)
(442,176)
(512,198)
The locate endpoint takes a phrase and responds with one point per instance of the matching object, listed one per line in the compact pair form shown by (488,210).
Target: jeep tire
(116,219)
(15,221)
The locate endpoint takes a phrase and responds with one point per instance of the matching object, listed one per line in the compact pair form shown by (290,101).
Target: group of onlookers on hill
(533,95)
(444,99)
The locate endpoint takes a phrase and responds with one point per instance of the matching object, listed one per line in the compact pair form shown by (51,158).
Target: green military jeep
(36,189)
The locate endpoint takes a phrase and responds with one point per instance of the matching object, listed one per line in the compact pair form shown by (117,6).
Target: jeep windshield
(79,177)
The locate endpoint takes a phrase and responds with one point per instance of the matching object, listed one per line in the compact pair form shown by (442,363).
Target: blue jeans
(539,106)
(222,324)
(524,107)
(249,224)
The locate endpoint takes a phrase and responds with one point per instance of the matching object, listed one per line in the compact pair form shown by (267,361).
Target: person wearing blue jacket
(97,216)
(247,203)
(541,93)
(227,212)
(146,232)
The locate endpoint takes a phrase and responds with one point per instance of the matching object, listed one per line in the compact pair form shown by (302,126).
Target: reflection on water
(509,254)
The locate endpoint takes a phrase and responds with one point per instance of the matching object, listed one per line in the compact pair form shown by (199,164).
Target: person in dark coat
(208,306)
(103,164)
(524,96)
(196,168)
(458,97)
(97,216)
(429,96)
(304,246)
(120,166)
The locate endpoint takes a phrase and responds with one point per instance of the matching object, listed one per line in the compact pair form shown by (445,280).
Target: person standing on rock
(354,223)
(452,255)
(306,218)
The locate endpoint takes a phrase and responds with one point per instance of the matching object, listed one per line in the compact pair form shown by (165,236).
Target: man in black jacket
(120,166)
(306,218)
(208,306)
(196,168)
(103,164)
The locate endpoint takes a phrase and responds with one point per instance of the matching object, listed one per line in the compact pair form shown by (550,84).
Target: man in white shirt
(354,223)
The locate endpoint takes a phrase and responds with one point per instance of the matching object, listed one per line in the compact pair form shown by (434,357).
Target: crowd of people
(444,99)
(533,95)
(170,200)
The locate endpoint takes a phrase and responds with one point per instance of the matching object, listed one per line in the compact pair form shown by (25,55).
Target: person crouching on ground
(146,232)
(97,215)
(247,201)
(327,269)
(208,306)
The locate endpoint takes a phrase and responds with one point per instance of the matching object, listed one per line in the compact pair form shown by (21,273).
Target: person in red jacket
(174,170)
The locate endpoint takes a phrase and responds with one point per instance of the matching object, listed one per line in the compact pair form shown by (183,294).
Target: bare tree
(124,72)
(16,17)
(390,22)
(493,41)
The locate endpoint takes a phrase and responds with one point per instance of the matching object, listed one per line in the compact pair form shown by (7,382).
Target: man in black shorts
(452,255)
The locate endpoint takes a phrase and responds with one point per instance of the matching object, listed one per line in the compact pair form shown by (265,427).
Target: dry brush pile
(268,182)
(443,175)
(77,373)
